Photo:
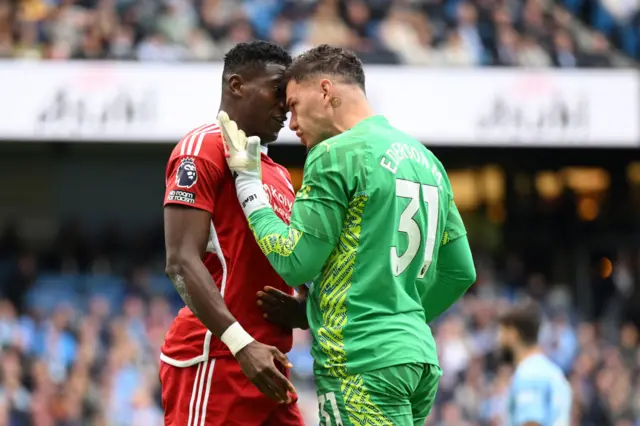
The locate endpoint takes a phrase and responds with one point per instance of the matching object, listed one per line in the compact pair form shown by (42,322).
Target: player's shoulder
(332,150)
(538,367)
(204,142)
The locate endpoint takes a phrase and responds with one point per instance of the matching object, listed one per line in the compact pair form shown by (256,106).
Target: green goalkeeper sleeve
(297,257)
(455,273)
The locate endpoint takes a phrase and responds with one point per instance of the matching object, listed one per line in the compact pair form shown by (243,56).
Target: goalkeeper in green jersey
(375,228)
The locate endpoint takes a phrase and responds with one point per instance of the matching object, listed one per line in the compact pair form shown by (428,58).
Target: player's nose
(293,123)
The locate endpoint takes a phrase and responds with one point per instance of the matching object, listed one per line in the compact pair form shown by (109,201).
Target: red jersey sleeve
(193,178)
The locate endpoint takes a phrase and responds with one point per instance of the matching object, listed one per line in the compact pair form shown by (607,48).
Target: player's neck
(358,110)
(526,352)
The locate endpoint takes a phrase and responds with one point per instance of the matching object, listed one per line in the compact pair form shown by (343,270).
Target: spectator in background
(122,45)
(282,33)
(409,36)
(507,47)
(468,31)
(156,47)
(177,20)
(217,14)
(531,54)
(451,415)
(564,54)
(456,53)
(533,22)
(10,332)
(358,17)
(326,26)
(598,53)
(14,397)
(28,46)
(57,345)
(239,32)
(559,342)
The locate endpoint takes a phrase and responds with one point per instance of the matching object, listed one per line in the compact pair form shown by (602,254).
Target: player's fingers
(282,358)
(276,294)
(283,383)
(269,389)
(268,299)
(268,380)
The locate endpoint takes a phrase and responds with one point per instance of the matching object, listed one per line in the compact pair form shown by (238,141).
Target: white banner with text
(144,102)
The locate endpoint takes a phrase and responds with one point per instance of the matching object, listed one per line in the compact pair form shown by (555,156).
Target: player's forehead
(296,89)
(271,73)
(291,91)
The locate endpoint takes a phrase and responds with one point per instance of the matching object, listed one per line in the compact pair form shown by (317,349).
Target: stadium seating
(427,32)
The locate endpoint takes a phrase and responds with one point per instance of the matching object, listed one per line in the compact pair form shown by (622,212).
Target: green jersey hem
(373,366)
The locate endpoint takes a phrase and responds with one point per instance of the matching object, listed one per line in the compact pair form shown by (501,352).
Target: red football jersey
(198,176)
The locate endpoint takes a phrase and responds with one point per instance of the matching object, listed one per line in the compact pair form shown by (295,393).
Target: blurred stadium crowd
(530,33)
(81,325)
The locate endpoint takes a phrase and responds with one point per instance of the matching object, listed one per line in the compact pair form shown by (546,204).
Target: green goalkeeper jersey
(384,205)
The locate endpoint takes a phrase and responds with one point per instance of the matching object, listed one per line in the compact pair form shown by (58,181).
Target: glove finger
(230,131)
(223,116)
(223,120)
(253,148)
(242,140)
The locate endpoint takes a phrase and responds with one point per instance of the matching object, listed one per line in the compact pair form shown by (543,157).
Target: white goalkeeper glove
(243,157)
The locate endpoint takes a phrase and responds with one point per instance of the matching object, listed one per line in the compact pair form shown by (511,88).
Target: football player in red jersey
(222,362)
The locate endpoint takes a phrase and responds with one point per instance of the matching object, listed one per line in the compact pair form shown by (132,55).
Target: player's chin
(269,137)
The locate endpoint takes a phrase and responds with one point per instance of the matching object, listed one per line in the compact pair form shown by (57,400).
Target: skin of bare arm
(186,235)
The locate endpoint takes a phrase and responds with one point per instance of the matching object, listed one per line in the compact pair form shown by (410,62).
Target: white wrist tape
(250,193)
(236,338)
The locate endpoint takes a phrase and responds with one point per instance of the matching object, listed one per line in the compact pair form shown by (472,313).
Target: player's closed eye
(280,90)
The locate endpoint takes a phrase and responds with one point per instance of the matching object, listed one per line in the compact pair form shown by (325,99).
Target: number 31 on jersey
(408,226)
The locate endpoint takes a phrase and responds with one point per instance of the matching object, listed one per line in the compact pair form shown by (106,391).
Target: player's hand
(282,309)
(242,152)
(258,364)
(243,157)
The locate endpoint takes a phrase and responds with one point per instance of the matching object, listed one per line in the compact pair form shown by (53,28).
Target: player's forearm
(197,289)
(454,275)
(295,256)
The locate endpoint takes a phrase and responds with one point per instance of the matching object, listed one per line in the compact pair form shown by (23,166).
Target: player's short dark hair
(254,56)
(326,59)
(525,319)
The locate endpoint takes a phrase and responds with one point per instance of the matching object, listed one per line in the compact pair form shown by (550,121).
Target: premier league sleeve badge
(187,174)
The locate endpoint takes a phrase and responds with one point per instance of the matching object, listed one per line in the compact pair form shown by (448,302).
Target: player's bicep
(186,232)
(321,202)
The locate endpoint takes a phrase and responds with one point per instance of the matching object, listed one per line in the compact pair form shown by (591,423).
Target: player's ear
(235,84)
(327,88)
